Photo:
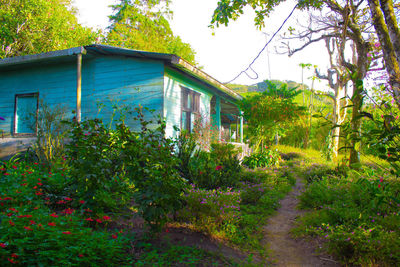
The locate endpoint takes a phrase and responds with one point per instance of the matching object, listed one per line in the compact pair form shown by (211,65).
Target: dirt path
(285,250)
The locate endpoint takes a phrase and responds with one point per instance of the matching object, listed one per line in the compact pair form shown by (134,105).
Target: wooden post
(241,126)
(79,87)
(218,115)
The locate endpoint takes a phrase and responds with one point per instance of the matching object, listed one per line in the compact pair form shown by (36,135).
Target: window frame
(194,108)
(16,118)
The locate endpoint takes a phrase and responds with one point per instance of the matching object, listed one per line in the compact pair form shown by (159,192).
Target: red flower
(66,233)
(218,168)
(28,228)
(24,184)
(106,218)
(39,184)
(35,187)
(68,199)
(31,222)
(11,260)
(29,172)
(114,236)
(54,215)
(9,214)
(3,245)
(15,167)
(11,223)
(35,208)
(88,210)
(82,201)
(6,173)
(61,202)
(89,219)
(68,211)
(36,163)
(381,180)
(13,209)
(52,224)
(80,255)
(379,186)
(7,198)
(38,193)
(14,255)
(98,220)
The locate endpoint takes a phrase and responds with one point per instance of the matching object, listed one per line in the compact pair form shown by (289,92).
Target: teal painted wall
(106,80)
(123,82)
(55,83)
(173,81)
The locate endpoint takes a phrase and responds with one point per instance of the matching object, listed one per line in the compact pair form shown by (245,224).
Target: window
(190,108)
(26,113)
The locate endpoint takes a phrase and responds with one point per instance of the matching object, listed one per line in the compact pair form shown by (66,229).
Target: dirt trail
(284,250)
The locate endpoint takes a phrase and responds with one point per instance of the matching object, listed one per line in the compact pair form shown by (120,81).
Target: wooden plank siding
(55,83)
(123,82)
(173,81)
(106,80)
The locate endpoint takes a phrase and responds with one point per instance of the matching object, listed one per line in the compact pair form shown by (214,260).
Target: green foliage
(31,27)
(95,168)
(108,167)
(357,214)
(31,234)
(167,254)
(212,211)
(266,158)
(268,112)
(137,25)
(153,169)
(49,146)
(382,136)
(218,168)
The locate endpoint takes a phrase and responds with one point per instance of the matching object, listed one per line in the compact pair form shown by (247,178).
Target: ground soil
(283,248)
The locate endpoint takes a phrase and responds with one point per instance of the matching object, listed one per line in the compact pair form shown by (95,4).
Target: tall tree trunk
(386,27)
(356,124)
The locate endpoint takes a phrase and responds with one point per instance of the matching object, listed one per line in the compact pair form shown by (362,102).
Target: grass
(355,213)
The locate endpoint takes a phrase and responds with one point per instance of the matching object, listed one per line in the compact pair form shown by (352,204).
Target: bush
(96,171)
(267,158)
(213,211)
(109,167)
(218,168)
(32,234)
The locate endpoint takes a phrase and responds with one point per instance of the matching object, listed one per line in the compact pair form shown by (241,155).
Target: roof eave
(179,62)
(42,56)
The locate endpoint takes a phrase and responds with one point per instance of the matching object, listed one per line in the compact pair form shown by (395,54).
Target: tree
(143,25)
(337,79)
(31,27)
(387,29)
(266,113)
(345,19)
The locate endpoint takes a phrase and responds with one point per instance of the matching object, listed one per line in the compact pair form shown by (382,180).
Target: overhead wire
(262,50)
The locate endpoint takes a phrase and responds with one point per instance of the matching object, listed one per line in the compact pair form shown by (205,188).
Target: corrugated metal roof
(170,59)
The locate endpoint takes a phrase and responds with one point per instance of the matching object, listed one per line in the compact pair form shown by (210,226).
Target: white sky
(232,48)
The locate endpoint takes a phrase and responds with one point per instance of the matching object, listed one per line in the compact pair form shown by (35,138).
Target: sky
(231,49)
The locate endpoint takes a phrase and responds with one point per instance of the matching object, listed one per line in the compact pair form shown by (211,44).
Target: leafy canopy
(143,25)
(231,9)
(38,26)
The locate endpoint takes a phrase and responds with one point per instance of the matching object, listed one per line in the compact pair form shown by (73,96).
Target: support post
(218,115)
(241,127)
(79,87)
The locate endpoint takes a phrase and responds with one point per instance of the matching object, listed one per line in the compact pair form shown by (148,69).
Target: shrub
(212,211)
(218,168)
(266,158)
(32,234)
(96,171)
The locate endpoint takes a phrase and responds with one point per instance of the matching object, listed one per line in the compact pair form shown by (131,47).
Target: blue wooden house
(81,78)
